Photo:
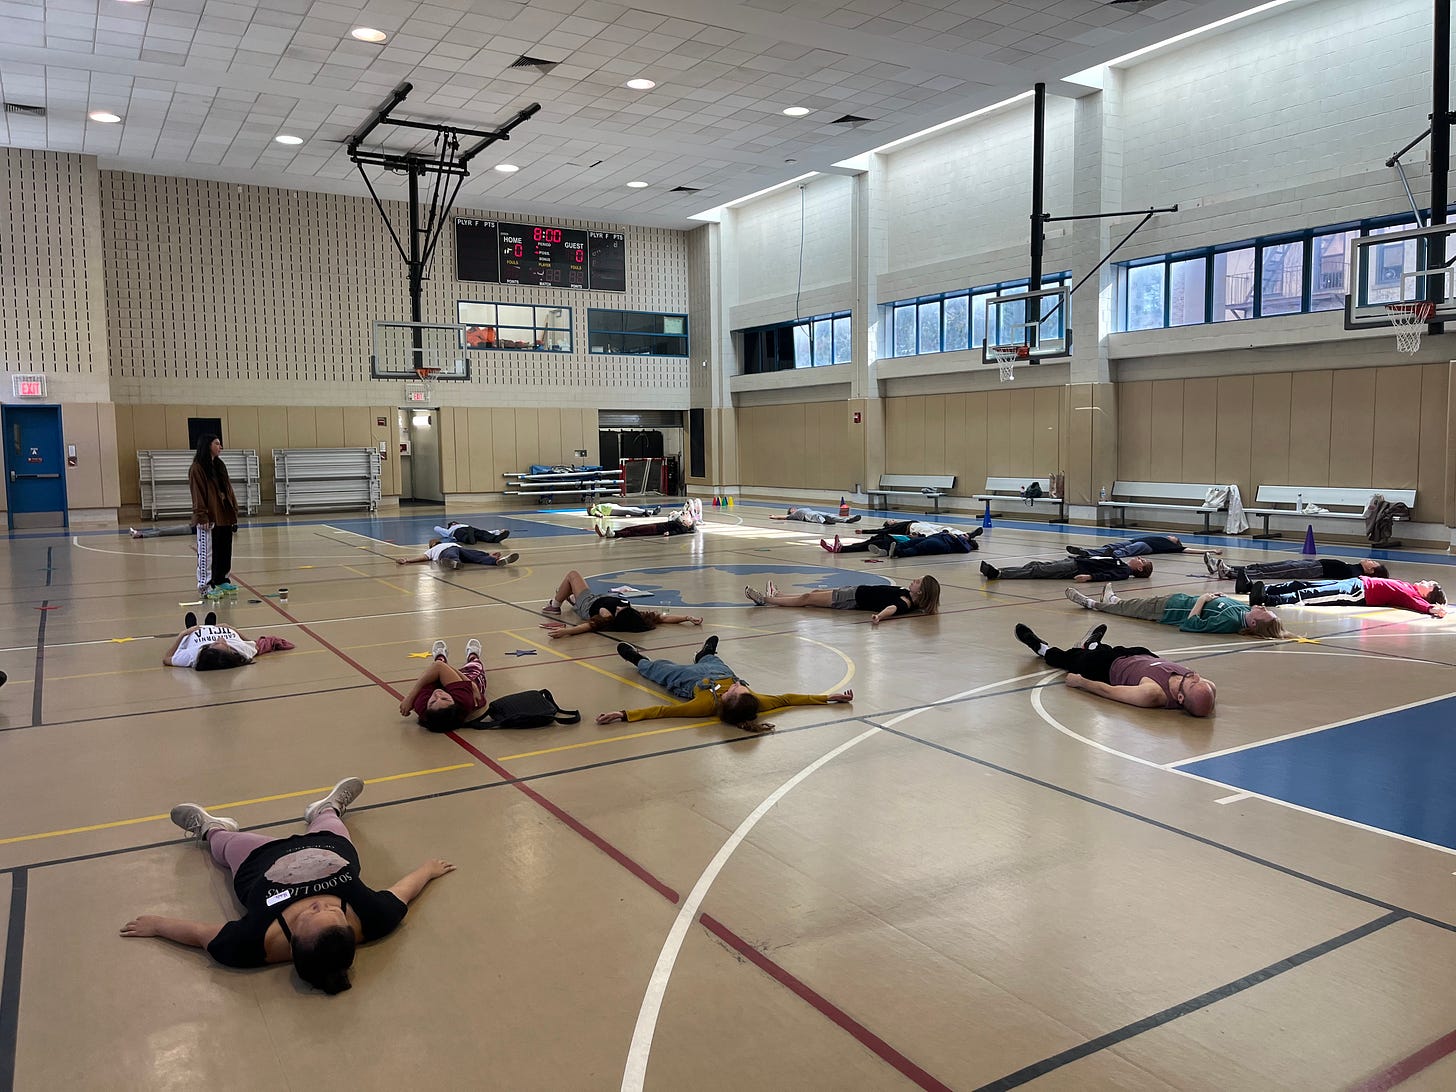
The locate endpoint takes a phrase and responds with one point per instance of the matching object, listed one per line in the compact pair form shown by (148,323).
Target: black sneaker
(211,619)
(1027,637)
(1093,637)
(503,534)
(989,571)
(3,678)
(975,532)
(1077,551)
(710,648)
(850,519)
(189,620)
(1256,594)
(629,653)
(1241,582)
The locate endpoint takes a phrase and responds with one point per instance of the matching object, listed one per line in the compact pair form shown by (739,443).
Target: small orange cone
(1309,550)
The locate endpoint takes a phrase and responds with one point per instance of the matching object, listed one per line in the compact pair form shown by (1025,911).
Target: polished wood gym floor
(972,877)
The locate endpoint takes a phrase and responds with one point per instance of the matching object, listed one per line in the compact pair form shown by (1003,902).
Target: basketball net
(1408,319)
(1006,357)
(426,375)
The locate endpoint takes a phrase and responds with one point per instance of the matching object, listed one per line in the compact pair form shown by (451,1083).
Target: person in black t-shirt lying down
(303,899)
(886,600)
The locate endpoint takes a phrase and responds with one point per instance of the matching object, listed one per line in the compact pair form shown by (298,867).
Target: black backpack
(528,709)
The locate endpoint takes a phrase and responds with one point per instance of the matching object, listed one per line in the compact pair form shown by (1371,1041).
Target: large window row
(808,343)
(948,322)
(515,326)
(636,333)
(1285,274)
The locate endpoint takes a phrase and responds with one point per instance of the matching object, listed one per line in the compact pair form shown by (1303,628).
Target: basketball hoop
(1006,357)
(426,374)
(1407,319)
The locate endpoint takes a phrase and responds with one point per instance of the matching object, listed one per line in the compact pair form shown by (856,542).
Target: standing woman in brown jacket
(215,511)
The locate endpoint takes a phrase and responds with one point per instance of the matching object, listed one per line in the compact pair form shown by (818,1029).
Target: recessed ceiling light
(507,168)
(640,84)
(284,138)
(797,111)
(368,34)
(636,185)
(106,117)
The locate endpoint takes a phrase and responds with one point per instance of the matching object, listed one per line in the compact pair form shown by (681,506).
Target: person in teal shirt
(1208,613)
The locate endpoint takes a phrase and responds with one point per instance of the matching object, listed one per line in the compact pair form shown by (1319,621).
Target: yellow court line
(376,579)
(232,804)
(609,739)
(562,657)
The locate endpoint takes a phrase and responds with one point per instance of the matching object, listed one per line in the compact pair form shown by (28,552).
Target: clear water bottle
(1103,494)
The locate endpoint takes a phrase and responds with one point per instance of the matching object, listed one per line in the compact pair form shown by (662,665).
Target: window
(809,343)
(636,333)
(515,326)
(1276,275)
(955,321)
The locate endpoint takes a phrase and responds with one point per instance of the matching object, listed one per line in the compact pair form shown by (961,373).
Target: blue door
(35,465)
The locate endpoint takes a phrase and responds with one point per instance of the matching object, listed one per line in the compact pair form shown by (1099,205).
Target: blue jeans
(681,680)
(1349,592)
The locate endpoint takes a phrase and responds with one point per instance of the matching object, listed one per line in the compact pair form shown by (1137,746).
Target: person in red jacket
(1423,597)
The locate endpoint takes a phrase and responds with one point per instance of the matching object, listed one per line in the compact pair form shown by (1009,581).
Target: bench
(932,486)
(1158,496)
(1347,504)
(547,484)
(1009,489)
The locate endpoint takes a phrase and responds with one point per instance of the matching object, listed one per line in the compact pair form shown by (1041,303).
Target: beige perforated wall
(52,316)
(268,296)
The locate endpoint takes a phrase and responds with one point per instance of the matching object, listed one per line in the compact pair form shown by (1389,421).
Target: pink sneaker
(550,608)
(831,549)
(770,589)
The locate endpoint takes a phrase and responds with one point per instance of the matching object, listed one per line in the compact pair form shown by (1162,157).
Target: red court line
(819,1003)
(827,1008)
(1407,1068)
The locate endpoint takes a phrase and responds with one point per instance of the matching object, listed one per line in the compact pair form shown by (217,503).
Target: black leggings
(222,553)
(1091,663)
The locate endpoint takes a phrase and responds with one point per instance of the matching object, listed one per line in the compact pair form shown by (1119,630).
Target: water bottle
(1103,494)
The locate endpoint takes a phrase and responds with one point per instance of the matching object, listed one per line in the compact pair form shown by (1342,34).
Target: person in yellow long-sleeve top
(707,687)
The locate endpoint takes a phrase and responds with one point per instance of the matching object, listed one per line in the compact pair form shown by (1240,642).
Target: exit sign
(28,386)
(416,396)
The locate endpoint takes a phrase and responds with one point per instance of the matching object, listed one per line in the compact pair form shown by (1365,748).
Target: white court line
(1234,798)
(638,1054)
(76,542)
(1309,731)
(1053,722)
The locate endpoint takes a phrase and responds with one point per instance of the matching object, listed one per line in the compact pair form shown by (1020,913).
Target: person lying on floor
(442,698)
(1423,596)
(909,538)
(886,600)
(684,522)
(708,687)
(1207,613)
(606,510)
(1132,675)
(162,532)
(1293,568)
(814,515)
(211,647)
(604,611)
(462,534)
(1081,569)
(1140,546)
(451,556)
(303,899)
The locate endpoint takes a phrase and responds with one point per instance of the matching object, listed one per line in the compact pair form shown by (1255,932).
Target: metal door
(35,464)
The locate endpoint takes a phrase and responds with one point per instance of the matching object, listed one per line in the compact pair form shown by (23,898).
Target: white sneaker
(472,648)
(340,797)
(508,559)
(1108,595)
(754,596)
(1084,601)
(439,649)
(198,822)
(452,563)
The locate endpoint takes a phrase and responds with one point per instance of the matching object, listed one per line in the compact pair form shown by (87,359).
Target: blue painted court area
(1395,771)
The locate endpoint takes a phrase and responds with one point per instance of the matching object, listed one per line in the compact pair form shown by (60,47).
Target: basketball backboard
(402,349)
(1039,320)
(1398,267)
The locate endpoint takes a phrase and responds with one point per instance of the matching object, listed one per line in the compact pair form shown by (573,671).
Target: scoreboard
(536,254)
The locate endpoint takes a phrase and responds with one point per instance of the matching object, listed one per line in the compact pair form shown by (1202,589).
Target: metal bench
(1009,490)
(548,484)
(930,486)
(1344,503)
(1160,496)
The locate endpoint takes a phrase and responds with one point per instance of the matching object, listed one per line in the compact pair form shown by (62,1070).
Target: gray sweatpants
(1149,607)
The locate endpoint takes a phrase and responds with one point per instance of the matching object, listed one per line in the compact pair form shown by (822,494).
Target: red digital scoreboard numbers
(540,255)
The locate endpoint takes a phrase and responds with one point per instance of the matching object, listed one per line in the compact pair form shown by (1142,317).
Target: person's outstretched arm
(412,883)
(412,560)
(194,934)
(561,629)
(679,619)
(1145,695)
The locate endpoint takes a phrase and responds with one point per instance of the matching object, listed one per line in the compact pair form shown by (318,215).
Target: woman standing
(215,512)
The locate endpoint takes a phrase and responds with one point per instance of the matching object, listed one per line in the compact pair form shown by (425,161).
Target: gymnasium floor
(972,877)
